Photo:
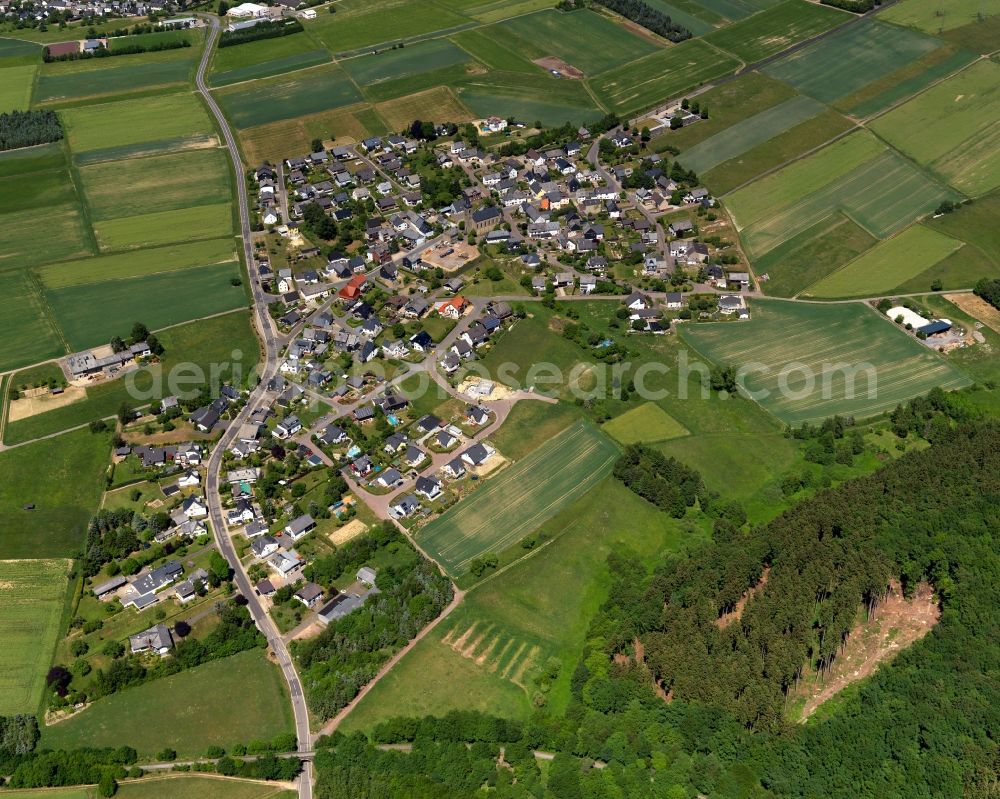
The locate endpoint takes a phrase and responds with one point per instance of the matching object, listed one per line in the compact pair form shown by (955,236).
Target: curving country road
(271,347)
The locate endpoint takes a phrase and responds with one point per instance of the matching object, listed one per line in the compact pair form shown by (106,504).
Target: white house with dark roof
(310,595)
(478,454)
(156,639)
(428,487)
(303,525)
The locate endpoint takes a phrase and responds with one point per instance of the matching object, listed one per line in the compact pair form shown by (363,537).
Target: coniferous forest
(649,17)
(28,128)
(923,725)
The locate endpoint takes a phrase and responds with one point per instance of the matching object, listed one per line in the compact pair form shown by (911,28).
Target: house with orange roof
(353,289)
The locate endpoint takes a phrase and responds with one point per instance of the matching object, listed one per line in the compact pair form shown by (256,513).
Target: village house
(156,639)
(453,308)
(309,595)
(300,526)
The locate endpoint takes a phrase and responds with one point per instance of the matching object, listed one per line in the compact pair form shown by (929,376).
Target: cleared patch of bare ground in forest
(734,615)
(894,625)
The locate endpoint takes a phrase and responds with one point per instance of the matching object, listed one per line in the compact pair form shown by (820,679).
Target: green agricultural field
(960,270)
(75,80)
(532,341)
(729,103)
(65,236)
(227,59)
(226,341)
(668,73)
(409,85)
(494,53)
(738,9)
(530,424)
(361,23)
(32,159)
(771,154)
(275,141)
(883,195)
(153,230)
(696,18)
(881,95)
(439,101)
(487,11)
(934,16)
(976,225)
(812,254)
(132,122)
(776,191)
(27,334)
(158,183)
(63,477)
(207,716)
(512,504)
(143,149)
(31,601)
(269,69)
(590,42)
(15,87)
(528,97)
(647,423)
(952,128)
(485,654)
(396,64)
(17,51)
(40,190)
(166,786)
(743,136)
(981,36)
(266,58)
(131,265)
(306,92)
(858,55)
(181,786)
(858,362)
(776,29)
(891,263)
(881,191)
(91,314)
(38,375)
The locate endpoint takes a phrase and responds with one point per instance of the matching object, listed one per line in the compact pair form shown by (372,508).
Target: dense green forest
(650,18)
(28,128)
(261,30)
(924,725)
(666,482)
(989,290)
